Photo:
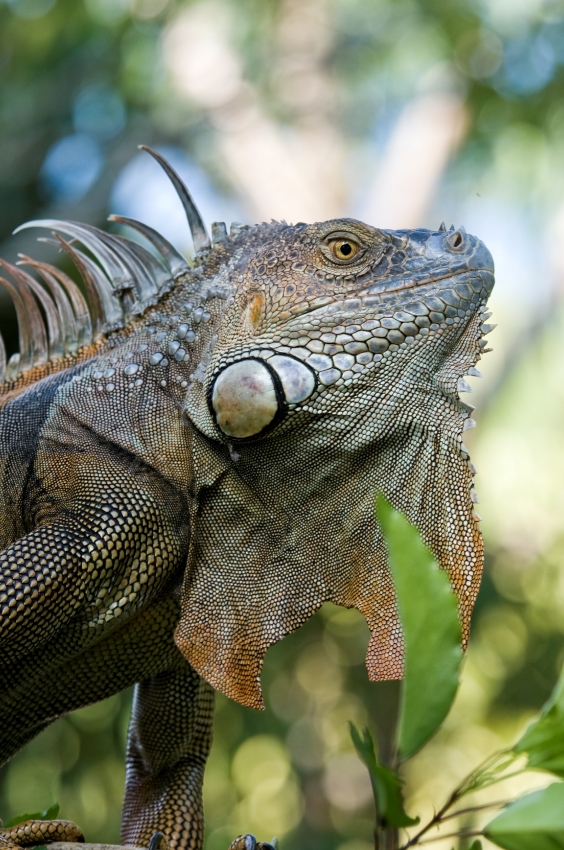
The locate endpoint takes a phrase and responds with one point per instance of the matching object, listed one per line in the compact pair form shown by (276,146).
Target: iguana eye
(344,249)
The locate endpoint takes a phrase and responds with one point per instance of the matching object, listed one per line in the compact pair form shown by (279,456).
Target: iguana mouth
(335,343)
(391,285)
(367,297)
(413,281)
(252,391)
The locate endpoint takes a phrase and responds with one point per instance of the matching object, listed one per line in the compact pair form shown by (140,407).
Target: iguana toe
(249,842)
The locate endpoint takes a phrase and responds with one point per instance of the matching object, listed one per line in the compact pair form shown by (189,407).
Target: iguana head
(332,311)
(308,367)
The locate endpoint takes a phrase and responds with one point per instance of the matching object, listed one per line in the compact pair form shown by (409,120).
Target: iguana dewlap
(188,468)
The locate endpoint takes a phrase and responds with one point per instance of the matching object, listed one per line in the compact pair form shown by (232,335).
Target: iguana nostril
(455,240)
(244,399)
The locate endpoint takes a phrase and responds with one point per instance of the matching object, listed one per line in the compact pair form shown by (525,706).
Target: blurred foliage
(95,68)
(81,83)
(47,814)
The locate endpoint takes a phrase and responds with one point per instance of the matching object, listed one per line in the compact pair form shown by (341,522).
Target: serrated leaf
(49,814)
(543,740)
(386,784)
(534,822)
(431,629)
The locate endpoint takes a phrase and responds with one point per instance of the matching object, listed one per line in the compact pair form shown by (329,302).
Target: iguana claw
(159,841)
(32,833)
(249,842)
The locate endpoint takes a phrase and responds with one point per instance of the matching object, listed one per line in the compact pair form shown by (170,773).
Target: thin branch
(72,845)
(463,788)
(470,834)
(480,808)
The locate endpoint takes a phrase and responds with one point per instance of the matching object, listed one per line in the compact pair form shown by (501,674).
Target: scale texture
(188,472)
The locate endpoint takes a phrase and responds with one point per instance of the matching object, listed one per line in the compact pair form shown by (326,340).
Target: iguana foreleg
(169,740)
(45,567)
(110,534)
(125,656)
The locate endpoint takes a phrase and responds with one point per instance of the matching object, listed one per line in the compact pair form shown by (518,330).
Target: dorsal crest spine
(122,280)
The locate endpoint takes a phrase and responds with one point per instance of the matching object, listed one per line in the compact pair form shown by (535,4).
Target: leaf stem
(496,779)
(435,821)
(391,839)
(376,833)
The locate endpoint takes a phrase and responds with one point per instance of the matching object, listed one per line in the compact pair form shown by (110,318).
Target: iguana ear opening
(250,396)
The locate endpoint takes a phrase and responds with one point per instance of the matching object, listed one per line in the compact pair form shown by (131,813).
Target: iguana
(189,465)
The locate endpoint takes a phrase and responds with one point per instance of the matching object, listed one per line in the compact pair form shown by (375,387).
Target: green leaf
(431,629)
(386,784)
(543,740)
(52,812)
(49,814)
(534,822)
(476,845)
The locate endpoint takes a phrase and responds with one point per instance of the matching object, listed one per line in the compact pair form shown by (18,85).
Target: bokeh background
(398,112)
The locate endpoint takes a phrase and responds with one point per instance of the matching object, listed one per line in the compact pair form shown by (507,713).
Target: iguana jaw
(343,345)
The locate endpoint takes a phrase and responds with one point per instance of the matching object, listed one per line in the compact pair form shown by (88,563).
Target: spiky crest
(122,280)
